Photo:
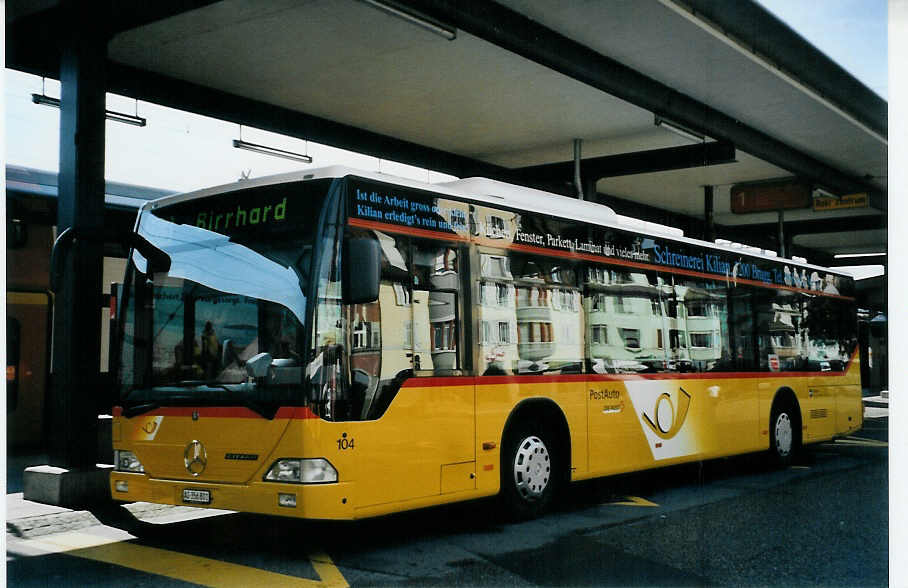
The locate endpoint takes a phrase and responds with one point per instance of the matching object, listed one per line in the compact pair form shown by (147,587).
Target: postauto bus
(341,344)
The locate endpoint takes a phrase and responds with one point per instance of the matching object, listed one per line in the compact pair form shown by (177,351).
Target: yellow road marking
(862,441)
(327,571)
(633,501)
(180,566)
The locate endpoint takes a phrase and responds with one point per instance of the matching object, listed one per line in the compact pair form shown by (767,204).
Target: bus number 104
(344,443)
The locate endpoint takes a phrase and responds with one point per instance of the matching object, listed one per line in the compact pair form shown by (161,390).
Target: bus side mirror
(362,270)
(158,261)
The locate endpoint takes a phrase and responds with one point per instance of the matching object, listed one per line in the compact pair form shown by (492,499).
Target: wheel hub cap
(532,468)
(783,434)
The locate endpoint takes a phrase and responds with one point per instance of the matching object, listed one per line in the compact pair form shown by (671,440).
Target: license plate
(197,496)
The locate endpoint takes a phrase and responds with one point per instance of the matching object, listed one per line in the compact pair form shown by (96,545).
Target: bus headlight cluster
(126,461)
(302,471)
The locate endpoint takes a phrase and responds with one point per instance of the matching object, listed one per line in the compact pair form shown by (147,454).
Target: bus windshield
(234,287)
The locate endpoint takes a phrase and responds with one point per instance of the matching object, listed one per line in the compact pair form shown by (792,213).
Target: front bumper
(313,501)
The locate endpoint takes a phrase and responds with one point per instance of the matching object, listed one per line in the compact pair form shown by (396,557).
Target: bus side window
(547,315)
(435,306)
(741,328)
(382,333)
(780,339)
(702,325)
(828,328)
(494,302)
(629,326)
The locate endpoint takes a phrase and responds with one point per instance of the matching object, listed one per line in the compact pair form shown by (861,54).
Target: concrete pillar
(71,478)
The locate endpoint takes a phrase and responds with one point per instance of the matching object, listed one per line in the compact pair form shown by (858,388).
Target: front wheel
(529,472)
(784,436)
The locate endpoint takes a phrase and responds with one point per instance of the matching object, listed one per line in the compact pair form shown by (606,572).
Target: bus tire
(529,470)
(784,433)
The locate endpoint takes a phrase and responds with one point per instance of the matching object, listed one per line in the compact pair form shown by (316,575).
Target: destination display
(264,209)
(423,211)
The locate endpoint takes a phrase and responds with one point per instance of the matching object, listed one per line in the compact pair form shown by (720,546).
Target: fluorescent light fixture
(679,129)
(420,20)
(240,144)
(45,100)
(129,119)
(848,255)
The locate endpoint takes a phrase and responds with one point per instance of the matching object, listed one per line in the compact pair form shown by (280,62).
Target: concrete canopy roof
(522,79)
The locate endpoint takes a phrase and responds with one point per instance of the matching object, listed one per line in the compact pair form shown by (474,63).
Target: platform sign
(769,196)
(860,200)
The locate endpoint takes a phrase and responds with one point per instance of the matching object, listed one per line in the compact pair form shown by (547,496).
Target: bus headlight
(302,471)
(126,461)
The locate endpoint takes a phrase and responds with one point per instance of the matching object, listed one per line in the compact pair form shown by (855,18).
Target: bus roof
(490,192)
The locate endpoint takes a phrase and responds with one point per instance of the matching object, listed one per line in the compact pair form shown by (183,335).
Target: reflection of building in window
(677,339)
(495,266)
(597,275)
(621,277)
(361,338)
(566,300)
(504,332)
(599,335)
(656,306)
(495,228)
(630,337)
(598,302)
(783,337)
(635,305)
(534,333)
(494,294)
(532,296)
(446,261)
(443,336)
(408,334)
(699,308)
(503,294)
(622,305)
(562,275)
(458,219)
(703,340)
(401,295)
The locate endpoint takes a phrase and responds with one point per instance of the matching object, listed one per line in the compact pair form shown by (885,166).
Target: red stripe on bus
(433,382)
(381,226)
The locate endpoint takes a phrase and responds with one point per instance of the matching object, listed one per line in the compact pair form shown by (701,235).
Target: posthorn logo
(667,419)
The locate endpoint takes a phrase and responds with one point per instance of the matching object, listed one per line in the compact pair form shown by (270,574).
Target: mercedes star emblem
(195,458)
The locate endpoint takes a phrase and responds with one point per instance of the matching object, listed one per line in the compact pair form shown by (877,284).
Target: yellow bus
(342,344)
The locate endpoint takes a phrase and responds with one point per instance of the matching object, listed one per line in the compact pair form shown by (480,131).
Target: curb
(47,524)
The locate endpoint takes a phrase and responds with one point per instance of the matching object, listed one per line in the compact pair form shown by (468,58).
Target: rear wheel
(529,472)
(784,434)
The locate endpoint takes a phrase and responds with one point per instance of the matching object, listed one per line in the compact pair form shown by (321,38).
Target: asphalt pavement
(822,522)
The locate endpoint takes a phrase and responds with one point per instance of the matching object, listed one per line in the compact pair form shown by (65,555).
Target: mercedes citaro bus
(340,344)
